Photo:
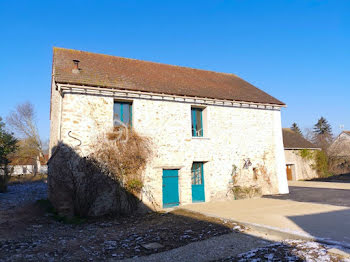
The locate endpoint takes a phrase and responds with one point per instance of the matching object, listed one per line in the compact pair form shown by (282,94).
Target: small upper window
(197,122)
(122,113)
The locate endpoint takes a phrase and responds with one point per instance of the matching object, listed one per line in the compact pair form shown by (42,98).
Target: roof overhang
(127,93)
(301,148)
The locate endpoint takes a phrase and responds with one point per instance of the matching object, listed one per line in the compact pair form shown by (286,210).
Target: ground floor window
(197,178)
(197,173)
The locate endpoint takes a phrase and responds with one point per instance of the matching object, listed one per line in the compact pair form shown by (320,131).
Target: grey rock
(153,245)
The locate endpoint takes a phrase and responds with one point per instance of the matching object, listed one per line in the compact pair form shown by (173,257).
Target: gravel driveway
(21,194)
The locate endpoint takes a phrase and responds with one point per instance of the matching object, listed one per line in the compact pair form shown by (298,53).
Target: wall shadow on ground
(342,178)
(329,196)
(333,225)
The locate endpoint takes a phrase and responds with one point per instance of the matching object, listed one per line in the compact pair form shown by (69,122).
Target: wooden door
(289,172)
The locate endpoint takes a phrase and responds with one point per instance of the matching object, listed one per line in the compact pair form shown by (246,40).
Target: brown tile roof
(292,139)
(347,132)
(131,74)
(43,159)
(22,161)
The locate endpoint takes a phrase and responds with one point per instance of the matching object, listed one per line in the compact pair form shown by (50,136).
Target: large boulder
(78,187)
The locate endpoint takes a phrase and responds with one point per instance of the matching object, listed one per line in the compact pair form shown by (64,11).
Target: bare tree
(308,134)
(23,123)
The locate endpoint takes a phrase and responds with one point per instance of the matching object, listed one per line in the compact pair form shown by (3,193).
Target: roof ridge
(144,61)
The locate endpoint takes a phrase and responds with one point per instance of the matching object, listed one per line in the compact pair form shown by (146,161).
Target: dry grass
(242,192)
(123,154)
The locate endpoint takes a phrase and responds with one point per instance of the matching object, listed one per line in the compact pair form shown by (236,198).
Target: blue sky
(298,51)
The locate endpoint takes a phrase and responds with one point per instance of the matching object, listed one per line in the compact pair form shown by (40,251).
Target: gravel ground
(45,239)
(288,250)
(207,250)
(21,194)
(28,233)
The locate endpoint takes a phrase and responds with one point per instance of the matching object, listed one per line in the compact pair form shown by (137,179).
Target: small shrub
(321,164)
(134,185)
(242,192)
(123,154)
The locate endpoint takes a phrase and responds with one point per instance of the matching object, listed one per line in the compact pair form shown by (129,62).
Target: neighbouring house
(28,166)
(299,156)
(207,129)
(339,152)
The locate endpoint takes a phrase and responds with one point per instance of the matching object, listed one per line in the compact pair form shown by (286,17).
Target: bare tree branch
(23,122)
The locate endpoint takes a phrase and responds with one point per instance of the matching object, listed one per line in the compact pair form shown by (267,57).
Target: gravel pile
(21,194)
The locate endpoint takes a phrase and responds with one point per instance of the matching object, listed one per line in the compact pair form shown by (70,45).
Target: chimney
(75,69)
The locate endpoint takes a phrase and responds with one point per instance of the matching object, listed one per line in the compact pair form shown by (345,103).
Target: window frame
(194,129)
(193,170)
(122,104)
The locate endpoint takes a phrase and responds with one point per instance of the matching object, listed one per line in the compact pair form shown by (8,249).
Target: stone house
(208,129)
(297,166)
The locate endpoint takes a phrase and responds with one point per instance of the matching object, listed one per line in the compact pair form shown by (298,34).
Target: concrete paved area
(330,185)
(326,221)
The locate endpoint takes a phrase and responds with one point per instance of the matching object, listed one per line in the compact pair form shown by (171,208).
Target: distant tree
(296,129)
(322,127)
(8,145)
(322,134)
(23,122)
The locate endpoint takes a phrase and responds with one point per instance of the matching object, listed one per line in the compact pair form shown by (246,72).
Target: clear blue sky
(298,51)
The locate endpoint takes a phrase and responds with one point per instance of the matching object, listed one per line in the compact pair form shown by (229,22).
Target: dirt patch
(28,233)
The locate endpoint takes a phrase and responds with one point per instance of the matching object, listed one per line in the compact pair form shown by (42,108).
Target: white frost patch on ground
(19,194)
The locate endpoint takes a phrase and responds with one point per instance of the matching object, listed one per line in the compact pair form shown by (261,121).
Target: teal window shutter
(197,122)
(122,113)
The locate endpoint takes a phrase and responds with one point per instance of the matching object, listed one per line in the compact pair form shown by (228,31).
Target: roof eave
(300,148)
(124,89)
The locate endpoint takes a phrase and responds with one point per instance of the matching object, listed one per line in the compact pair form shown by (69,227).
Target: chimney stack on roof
(75,69)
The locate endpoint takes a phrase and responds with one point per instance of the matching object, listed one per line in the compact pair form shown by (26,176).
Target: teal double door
(170,182)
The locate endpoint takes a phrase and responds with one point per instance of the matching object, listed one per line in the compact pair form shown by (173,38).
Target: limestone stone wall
(231,134)
(55,115)
(302,167)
